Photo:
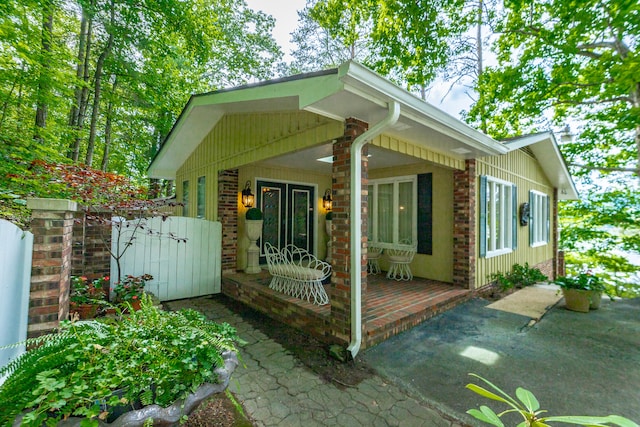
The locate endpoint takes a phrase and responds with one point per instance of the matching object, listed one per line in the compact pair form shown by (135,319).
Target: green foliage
(583,281)
(253,214)
(519,277)
(131,288)
(405,40)
(527,406)
(85,292)
(152,355)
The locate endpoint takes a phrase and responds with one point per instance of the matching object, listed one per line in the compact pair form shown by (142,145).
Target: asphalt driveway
(574,363)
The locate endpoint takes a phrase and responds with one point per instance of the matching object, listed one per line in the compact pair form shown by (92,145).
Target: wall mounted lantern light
(327,201)
(247,196)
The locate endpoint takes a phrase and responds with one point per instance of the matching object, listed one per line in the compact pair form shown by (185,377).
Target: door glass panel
(300,219)
(271,198)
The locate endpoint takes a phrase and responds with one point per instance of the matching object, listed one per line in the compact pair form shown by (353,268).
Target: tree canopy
(101,82)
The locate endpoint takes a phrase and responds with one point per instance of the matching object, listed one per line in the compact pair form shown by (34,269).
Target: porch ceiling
(308,159)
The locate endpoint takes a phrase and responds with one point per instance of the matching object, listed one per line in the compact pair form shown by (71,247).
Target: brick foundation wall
(90,256)
(228,217)
(52,228)
(280,307)
(464,227)
(340,294)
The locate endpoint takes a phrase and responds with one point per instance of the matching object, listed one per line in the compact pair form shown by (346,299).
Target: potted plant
(253,223)
(155,364)
(131,289)
(582,291)
(85,296)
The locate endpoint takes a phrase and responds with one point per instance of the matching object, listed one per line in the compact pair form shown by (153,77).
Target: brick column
(464,225)
(228,216)
(341,231)
(52,228)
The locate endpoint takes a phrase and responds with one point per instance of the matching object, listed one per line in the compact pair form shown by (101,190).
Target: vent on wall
(528,151)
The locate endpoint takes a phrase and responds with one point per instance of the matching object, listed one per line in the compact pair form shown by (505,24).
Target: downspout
(356,223)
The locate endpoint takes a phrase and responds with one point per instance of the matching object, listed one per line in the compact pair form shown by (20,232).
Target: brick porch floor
(391,307)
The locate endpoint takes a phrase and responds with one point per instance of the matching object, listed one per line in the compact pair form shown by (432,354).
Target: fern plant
(151,356)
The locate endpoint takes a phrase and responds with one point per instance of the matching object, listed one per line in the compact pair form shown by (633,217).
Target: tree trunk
(97,93)
(107,128)
(82,90)
(44,85)
(483,122)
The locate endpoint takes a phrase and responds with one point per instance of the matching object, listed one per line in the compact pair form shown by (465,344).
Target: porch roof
(348,91)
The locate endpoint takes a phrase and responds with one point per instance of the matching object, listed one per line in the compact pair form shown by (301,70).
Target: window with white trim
(202,193)
(393,210)
(539,218)
(497,204)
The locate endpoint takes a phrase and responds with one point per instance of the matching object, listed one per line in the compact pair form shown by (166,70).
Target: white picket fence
(179,269)
(16,250)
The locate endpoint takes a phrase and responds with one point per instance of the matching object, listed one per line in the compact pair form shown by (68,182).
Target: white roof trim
(545,147)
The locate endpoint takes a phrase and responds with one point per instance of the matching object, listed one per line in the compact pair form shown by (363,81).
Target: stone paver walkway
(276,389)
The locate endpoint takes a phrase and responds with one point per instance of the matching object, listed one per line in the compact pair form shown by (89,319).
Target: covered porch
(389,307)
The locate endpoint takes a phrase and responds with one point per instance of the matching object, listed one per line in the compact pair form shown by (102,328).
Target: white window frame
(539,223)
(504,242)
(373,208)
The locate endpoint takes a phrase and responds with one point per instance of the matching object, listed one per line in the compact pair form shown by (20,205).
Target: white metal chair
(400,257)
(374,253)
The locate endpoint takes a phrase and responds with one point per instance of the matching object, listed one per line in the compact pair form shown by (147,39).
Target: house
(419,174)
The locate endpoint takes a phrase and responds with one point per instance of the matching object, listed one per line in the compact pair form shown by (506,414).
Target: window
(539,218)
(185,198)
(201,197)
(392,208)
(497,216)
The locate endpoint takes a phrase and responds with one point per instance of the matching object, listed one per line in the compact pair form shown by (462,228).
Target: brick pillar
(464,225)
(52,228)
(228,216)
(341,232)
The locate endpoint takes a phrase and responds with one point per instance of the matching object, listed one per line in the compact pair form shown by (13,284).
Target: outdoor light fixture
(247,196)
(327,201)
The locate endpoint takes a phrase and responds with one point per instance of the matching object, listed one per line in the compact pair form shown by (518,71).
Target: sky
(286,16)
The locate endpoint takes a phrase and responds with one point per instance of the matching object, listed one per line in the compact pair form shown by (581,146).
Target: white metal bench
(297,273)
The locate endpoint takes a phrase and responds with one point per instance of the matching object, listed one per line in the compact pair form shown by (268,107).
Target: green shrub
(153,356)
(519,277)
(253,214)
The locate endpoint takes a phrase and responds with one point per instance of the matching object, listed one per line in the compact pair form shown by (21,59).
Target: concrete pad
(532,301)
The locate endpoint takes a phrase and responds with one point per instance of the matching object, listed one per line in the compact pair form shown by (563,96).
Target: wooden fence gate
(179,269)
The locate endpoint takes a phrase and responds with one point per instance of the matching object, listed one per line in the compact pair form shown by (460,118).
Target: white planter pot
(254,231)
